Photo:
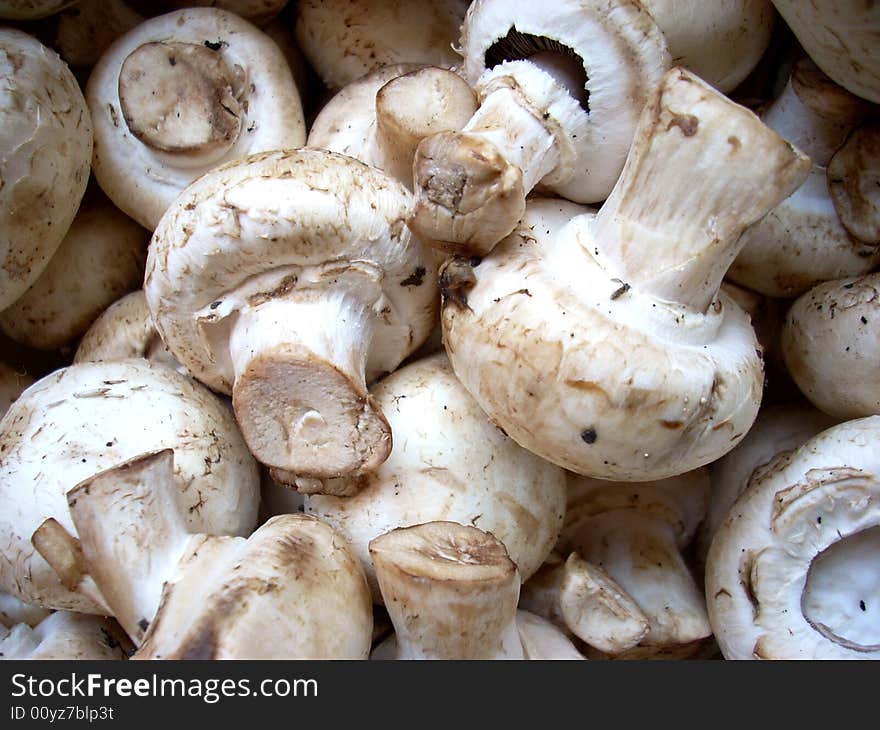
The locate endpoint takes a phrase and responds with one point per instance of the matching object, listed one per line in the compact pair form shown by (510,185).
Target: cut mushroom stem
(451,591)
(318,344)
(664,232)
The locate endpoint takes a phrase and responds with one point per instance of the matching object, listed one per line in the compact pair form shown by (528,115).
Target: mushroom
(831,346)
(778,429)
(560,95)
(259,12)
(803,241)
(451,591)
(65,635)
(101,258)
(12,383)
(86,29)
(854,184)
(602,342)
(31,9)
(636,533)
(292,590)
(792,572)
(290,280)
(381,117)
(583,600)
(180,94)
(45,150)
(85,418)
(15,611)
(345,39)
(841,37)
(125,330)
(449,463)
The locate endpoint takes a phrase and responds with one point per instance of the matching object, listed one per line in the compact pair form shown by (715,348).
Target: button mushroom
(180,94)
(31,9)
(792,572)
(854,184)
(45,151)
(290,280)
(601,342)
(65,635)
(87,417)
(448,463)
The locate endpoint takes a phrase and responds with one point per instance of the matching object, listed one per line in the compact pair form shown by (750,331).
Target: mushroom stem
(675,237)
(300,393)
(451,592)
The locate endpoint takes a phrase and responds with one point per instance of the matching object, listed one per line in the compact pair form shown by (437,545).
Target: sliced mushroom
(101,258)
(86,418)
(381,117)
(792,572)
(831,346)
(560,95)
(45,151)
(290,280)
(449,463)
(292,590)
(602,342)
(345,39)
(180,94)
(65,635)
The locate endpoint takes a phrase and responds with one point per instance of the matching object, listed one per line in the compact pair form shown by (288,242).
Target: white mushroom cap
(560,96)
(31,9)
(854,184)
(65,635)
(345,39)
(12,384)
(88,417)
(380,118)
(259,12)
(831,346)
(721,42)
(602,343)
(15,611)
(792,572)
(45,151)
(841,37)
(448,463)
(87,29)
(101,258)
(180,94)
(124,330)
(291,280)
(778,429)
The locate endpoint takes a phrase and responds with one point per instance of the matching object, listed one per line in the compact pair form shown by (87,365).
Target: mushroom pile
(384,329)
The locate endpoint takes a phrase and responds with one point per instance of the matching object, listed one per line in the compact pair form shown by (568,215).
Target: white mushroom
(448,463)
(88,417)
(854,184)
(45,151)
(65,635)
(290,280)
(345,39)
(101,258)
(15,611)
(831,346)
(180,94)
(602,342)
(451,591)
(292,590)
(381,117)
(31,9)
(259,12)
(803,241)
(87,28)
(560,95)
(792,572)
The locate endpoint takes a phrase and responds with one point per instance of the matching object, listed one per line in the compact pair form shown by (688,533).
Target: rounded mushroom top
(260,12)
(31,9)
(45,151)
(181,93)
(854,183)
(282,224)
(345,39)
(85,418)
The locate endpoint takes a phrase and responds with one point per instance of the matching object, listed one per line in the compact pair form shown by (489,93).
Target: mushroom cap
(299,219)
(45,152)
(293,590)
(792,570)
(101,258)
(259,12)
(66,635)
(143,181)
(86,418)
(854,184)
(31,9)
(345,39)
(624,55)
(85,30)
(594,376)
(831,346)
(12,384)
(448,463)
